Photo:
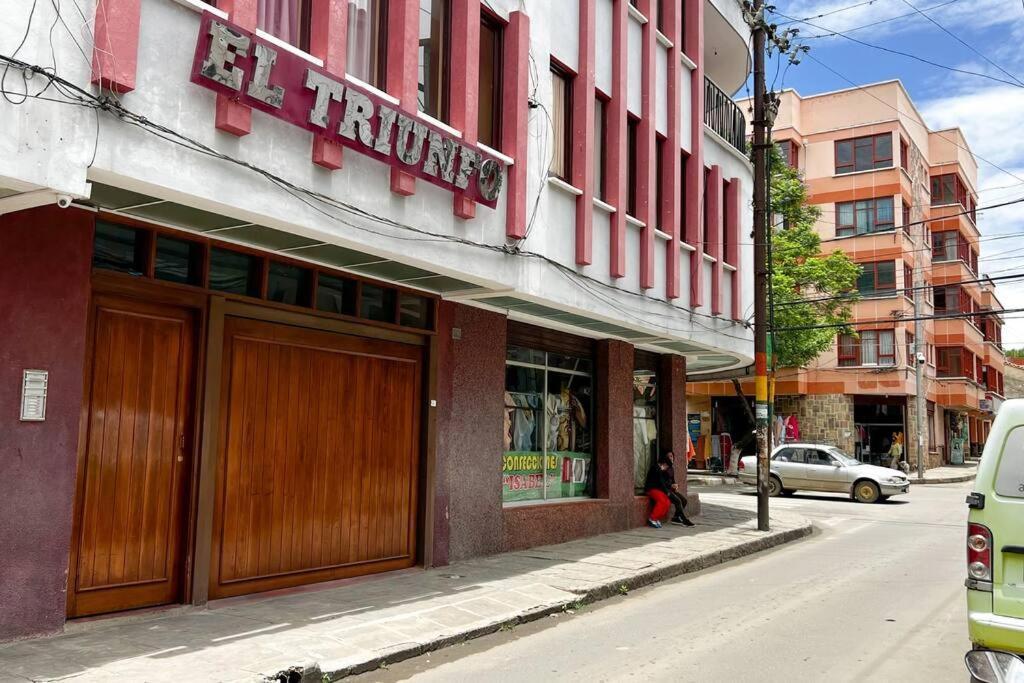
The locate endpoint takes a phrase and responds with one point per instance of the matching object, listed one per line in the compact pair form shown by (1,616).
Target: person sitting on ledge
(662,489)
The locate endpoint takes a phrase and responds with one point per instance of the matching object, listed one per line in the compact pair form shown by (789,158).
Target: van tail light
(979,552)
(742,466)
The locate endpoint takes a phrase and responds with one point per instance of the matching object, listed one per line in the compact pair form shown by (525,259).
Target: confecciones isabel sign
(256,73)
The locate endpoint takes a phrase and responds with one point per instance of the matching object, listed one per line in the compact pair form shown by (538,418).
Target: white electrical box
(33,395)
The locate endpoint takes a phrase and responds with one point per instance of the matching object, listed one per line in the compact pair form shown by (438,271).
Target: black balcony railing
(724,116)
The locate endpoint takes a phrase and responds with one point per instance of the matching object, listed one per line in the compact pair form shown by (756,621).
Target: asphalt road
(876,594)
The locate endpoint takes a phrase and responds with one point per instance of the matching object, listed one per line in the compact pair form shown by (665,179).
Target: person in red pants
(663,491)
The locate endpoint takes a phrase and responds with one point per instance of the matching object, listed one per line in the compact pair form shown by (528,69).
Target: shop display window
(645,424)
(548,427)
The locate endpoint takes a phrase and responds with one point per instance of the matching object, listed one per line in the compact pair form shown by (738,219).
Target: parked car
(818,467)
(995,552)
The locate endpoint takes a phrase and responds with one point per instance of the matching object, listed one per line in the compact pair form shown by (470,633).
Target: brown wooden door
(319,453)
(129,542)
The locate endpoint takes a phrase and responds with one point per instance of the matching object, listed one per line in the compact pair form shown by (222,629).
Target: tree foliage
(808,287)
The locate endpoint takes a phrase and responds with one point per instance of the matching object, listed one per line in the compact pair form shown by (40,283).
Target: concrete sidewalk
(949,474)
(327,632)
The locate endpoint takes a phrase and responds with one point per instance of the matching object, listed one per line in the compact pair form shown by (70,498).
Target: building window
(287,20)
(911,350)
(234,272)
(906,217)
(561,123)
(706,227)
(661,15)
(727,221)
(908,280)
(949,189)
(433,58)
(684,160)
(955,361)
(600,162)
(864,153)
(489,93)
(645,424)
(931,425)
(632,130)
(864,216)
(877,279)
(951,245)
(116,247)
(788,152)
(904,155)
(869,347)
(367,41)
(548,426)
(657,216)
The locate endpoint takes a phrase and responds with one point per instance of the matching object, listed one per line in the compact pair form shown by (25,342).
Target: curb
(313,673)
(706,480)
(945,480)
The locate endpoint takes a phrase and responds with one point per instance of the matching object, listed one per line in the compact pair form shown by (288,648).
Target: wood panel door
(318,458)
(131,509)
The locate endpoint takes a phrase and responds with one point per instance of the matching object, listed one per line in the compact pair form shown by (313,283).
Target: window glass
(645,424)
(886,348)
(433,48)
(234,272)
(366,44)
(560,108)
(378,303)
(285,19)
(599,160)
(1010,472)
(547,431)
(178,261)
(288,284)
(632,129)
(869,347)
(521,355)
(489,109)
(415,311)
(335,295)
(817,457)
(116,247)
(844,153)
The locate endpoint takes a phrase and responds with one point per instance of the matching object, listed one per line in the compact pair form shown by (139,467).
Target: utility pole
(760,263)
(920,349)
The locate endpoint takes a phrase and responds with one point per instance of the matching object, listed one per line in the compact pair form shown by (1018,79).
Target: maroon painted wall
(45,259)
(470,406)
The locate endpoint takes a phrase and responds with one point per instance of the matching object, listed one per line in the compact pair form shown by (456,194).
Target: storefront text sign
(261,75)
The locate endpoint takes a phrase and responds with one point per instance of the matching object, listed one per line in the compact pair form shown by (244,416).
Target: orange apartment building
(900,199)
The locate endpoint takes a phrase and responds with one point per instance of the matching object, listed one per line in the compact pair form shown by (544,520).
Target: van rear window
(1010,475)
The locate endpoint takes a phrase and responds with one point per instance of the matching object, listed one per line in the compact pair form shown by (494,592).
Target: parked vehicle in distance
(995,553)
(819,467)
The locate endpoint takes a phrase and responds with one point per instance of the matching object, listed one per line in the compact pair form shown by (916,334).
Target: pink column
(514,124)
(616,154)
(465,80)
(734,200)
(714,245)
(115,52)
(402,79)
(583,135)
(233,117)
(646,174)
(693,42)
(670,192)
(328,40)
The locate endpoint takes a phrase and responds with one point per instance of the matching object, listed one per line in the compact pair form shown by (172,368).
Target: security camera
(64,201)
(920,358)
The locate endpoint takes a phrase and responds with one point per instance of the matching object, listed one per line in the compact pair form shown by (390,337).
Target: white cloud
(975,14)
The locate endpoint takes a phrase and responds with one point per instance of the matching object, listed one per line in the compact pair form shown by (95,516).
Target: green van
(995,553)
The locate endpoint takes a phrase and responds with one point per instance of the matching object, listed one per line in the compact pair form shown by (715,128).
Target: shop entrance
(129,541)
(878,423)
(318,457)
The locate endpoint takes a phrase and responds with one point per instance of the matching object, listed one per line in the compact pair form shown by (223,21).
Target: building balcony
(724,116)
(727,58)
(959,332)
(959,393)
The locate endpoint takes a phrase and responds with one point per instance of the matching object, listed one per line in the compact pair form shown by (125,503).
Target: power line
(825,14)
(911,56)
(880,21)
(855,297)
(961,41)
(899,319)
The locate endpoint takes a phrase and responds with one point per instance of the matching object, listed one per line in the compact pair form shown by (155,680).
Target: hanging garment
(792,428)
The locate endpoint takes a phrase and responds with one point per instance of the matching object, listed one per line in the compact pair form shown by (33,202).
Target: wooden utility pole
(760,264)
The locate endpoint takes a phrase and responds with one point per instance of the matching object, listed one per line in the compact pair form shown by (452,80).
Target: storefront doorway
(879,422)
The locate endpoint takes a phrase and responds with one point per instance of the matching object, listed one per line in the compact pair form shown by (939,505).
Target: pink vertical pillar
(465,80)
(328,40)
(693,42)
(115,52)
(670,191)
(714,245)
(616,156)
(232,116)
(645,153)
(402,78)
(734,202)
(583,134)
(515,122)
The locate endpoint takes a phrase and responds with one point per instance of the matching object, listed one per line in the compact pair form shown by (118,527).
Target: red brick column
(465,80)
(693,41)
(583,134)
(613,420)
(515,119)
(328,40)
(672,412)
(714,245)
(617,154)
(646,210)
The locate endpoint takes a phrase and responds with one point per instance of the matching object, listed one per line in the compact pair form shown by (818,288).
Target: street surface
(876,594)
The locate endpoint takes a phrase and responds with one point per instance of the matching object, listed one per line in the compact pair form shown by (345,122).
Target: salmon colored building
(900,199)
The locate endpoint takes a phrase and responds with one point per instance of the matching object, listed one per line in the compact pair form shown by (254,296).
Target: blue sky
(991,113)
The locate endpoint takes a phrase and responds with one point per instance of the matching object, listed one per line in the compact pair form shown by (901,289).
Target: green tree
(1015,353)
(808,287)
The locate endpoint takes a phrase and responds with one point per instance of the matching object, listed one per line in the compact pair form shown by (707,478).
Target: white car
(817,467)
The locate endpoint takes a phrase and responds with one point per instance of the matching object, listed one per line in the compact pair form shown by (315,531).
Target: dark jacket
(660,479)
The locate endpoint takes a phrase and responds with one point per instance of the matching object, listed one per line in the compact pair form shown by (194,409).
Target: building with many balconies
(298,291)
(900,199)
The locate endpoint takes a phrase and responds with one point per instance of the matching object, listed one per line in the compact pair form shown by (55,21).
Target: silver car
(817,467)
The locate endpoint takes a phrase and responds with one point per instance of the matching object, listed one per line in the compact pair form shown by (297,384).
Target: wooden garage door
(129,544)
(319,453)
